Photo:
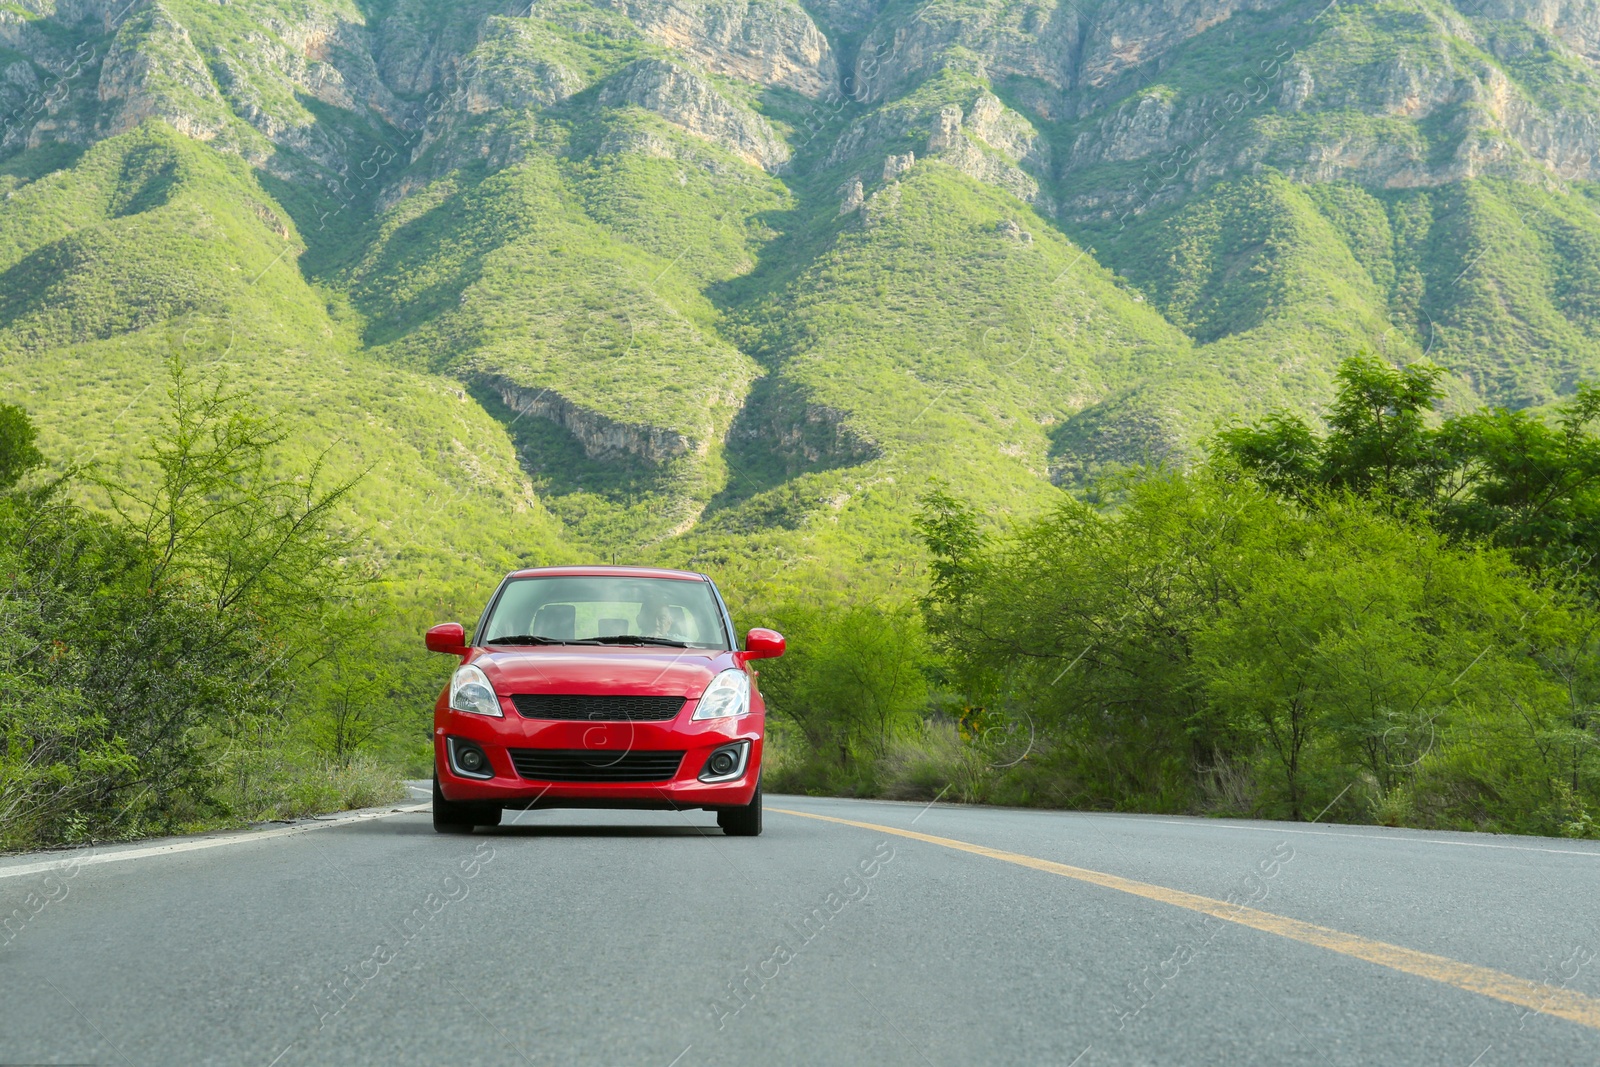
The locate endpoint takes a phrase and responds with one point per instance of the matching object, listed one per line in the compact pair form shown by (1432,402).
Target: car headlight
(470,691)
(726,696)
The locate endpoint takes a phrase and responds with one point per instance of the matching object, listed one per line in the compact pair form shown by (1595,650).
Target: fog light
(726,762)
(468,759)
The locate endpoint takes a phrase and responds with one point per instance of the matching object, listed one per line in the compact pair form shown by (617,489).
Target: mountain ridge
(721,279)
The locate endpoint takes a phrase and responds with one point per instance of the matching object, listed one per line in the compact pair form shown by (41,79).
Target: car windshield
(606,609)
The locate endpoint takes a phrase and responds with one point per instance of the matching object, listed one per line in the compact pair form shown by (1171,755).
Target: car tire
(745,821)
(453,817)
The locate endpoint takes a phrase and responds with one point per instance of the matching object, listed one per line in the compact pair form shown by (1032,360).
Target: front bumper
(508,788)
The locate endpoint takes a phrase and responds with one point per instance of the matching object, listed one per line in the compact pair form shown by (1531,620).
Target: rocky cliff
(692,103)
(978,239)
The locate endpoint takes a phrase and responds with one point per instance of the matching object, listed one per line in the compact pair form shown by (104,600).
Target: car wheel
(745,821)
(452,817)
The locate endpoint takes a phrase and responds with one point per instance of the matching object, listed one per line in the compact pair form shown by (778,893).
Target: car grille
(571,707)
(590,765)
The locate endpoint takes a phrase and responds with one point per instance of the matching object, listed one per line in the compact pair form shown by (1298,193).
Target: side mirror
(449,638)
(761,643)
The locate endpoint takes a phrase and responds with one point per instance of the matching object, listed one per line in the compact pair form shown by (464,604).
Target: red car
(600,687)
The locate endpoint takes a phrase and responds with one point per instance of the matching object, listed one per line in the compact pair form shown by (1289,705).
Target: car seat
(555,621)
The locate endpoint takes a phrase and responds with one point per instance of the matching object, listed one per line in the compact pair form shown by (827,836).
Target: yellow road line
(1549,1000)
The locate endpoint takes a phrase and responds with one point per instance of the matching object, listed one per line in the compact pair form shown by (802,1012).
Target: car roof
(600,569)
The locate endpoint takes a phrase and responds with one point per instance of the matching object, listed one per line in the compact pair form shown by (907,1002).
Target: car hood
(641,672)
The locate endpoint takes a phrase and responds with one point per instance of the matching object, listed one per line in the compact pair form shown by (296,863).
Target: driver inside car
(659,620)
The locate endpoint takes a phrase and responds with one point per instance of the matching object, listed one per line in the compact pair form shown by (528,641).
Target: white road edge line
(74,860)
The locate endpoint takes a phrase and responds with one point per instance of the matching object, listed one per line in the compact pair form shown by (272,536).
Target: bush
(1206,645)
(854,680)
(149,661)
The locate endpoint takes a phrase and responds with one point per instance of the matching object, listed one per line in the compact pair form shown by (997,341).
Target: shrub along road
(879,932)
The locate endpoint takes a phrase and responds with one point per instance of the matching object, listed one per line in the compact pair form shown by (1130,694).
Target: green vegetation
(556,283)
(1527,484)
(513,284)
(177,665)
(201,273)
(1280,631)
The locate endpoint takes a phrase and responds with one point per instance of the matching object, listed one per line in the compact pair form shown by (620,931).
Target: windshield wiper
(631,639)
(525,639)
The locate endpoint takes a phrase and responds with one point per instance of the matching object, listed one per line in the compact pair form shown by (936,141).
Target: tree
(1378,443)
(260,548)
(350,705)
(18,454)
(1315,647)
(134,648)
(955,541)
(855,677)
(1087,618)
(1515,479)
(1532,486)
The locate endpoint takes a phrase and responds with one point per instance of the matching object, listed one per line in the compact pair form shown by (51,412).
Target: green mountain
(728,281)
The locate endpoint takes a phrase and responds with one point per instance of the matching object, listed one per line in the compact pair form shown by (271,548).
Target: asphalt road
(649,938)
